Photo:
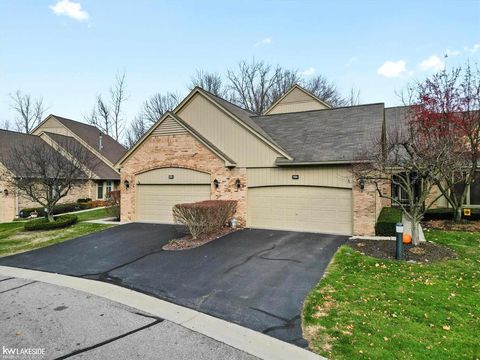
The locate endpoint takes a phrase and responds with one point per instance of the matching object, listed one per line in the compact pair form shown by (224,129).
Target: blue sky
(69,52)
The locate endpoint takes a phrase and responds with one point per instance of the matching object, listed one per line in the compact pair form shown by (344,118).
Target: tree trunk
(457,215)
(415,237)
(50,217)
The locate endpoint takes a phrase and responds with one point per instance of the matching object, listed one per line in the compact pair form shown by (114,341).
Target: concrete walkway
(122,335)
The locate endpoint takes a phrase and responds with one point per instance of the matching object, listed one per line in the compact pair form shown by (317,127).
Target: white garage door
(301,208)
(155,202)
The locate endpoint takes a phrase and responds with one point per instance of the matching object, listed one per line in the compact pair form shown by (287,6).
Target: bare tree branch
(208,81)
(29,111)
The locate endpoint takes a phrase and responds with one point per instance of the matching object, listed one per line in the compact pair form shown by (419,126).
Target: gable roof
(296,87)
(338,135)
(244,117)
(94,164)
(112,150)
(188,128)
(12,142)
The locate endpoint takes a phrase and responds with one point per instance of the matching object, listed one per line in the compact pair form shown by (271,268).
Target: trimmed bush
(204,217)
(447,214)
(43,223)
(83,200)
(58,209)
(387,219)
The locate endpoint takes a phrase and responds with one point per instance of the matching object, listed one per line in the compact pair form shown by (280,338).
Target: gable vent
(169,127)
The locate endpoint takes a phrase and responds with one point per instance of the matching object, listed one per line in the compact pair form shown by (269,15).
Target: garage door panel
(301,208)
(155,202)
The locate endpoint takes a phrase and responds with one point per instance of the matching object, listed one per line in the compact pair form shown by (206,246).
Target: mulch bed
(449,225)
(186,242)
(385,249)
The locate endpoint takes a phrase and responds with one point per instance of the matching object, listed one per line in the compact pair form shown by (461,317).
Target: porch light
(215,183)
(5,192)
(361,183)
(237,183)
(127,184)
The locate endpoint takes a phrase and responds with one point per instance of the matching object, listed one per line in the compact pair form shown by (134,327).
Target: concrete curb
(239,337)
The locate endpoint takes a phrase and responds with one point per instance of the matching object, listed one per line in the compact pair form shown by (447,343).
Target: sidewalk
(61,323)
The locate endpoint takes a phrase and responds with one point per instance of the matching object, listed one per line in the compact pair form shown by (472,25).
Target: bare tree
(157,105)
(138,127)
(118,97)
(6,125)
(107,115)
(407,158)
(284,82)
(100,116)
(44,174)
(29,111)
(208,81)
(324,89)
(251,85)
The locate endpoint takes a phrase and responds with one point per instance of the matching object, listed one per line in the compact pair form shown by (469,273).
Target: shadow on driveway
(255,278)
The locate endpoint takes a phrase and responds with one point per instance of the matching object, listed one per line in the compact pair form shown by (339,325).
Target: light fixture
(215,183)
(127,184)
(5,192)
(237,183)
(361,183)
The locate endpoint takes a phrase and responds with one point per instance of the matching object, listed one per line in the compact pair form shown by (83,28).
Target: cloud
(391,69)
(70,9)
(432,63)
(264,42)
(309,72)
(351,61)
(452,53)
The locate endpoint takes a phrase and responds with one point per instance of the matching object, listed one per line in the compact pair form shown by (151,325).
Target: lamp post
(399,241)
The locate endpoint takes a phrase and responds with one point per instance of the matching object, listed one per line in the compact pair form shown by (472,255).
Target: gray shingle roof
(112,150)
(396,119)
(13,143)
(94,164)
(329,135)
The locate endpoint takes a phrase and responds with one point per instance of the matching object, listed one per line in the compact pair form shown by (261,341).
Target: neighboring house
(289,169)
(396,121)
(56,132)
(107,151)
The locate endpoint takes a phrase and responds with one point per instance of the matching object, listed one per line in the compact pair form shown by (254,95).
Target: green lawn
(93,214)
(377,309)
(13,239)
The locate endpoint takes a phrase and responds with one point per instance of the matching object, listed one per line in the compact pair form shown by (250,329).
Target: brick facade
(182,151)
(10,204)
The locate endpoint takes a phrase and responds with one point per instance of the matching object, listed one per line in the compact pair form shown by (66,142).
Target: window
(475,191)
(398,191)
(100,190)
(109,188)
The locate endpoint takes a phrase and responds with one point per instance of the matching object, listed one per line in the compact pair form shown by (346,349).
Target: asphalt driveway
(255,278)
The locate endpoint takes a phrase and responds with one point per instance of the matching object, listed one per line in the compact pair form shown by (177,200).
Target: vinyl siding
(296,101)
(54,126)
(330,176)
(169,127)
(232,138)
